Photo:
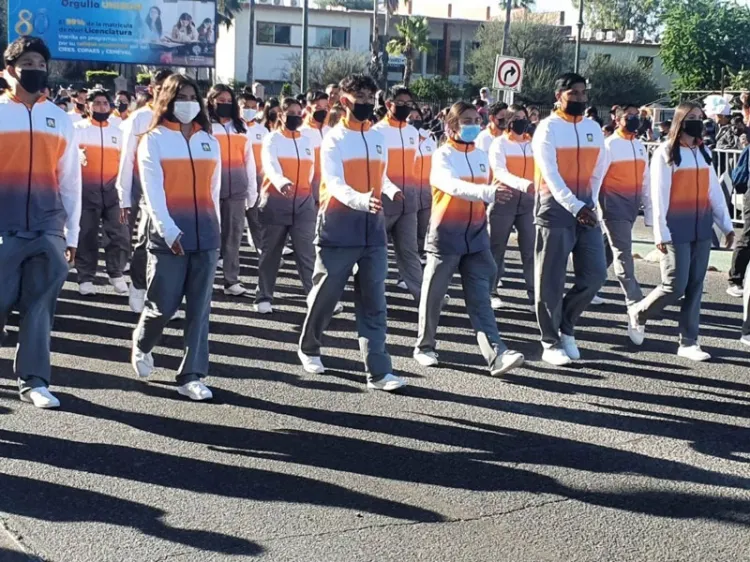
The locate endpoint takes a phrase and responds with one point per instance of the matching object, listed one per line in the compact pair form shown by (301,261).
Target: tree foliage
(326,67)
(227,11)
(621,15)
(438,89)
(413,37)
(703,37)
(615,82)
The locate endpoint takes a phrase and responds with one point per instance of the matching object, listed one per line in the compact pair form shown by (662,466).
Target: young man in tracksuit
(569,157)
(314,129)
(401,204)
(129,191)
(624,188)
(40,212)
(497,114)
(351,231)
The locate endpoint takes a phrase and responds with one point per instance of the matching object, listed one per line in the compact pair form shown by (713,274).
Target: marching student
(351,231)
(128,190)
(687,200)
(248,106)
(624,188)
(99,143)
(239,189)
(78,97)
(314,129)
(256,133)
(40,212)
(423,165)
(122,102)
(401,191)
(512,162)
(497,114)
(458,240)
(180,167)
(569,157)
(333,91)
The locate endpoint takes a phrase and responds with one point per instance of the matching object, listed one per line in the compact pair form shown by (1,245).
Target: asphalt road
(631,455)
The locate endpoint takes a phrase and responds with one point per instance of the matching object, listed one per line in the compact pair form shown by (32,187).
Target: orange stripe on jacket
(184,190)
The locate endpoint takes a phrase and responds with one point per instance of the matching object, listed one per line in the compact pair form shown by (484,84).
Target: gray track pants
(333,266)
(683,269)
(139,261)
(403,231)
(232,228)
(170,278)
(423,223)
(554,313)
(117,245)
(32,273)
(302,234)
(500,229)
(255,227)
(619,253)
(477,271)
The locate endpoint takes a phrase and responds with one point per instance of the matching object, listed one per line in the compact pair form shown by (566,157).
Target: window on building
(455,63)
(436,57)
(646,62)
(274,33)
(329,37)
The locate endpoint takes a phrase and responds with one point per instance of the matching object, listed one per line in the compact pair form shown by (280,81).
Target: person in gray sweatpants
(619,253)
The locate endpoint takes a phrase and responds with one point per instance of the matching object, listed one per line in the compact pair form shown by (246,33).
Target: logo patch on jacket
(411,141)
(50,122)
(206,147)
(307,150)
(114,140)
(590,137)
(379,149)
(257,137)
(483,168)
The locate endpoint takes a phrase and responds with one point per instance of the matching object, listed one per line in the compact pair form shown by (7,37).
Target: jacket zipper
(229,159)
(369,182)
(403,165)
(101,168)
(697,190)
(578,160)
(31,167)
(635,172)
(523,148)
(294,198)
(471,203)
(195,196)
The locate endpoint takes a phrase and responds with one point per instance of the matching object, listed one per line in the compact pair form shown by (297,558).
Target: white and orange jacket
(485,138)
(133,130)
(570,164)
(256,133)
(687,199)
(40,173)
(181,181)
(288,159)
(315,133)
(239,179)
(461,191)
(512,165)
(626,180)
(402,141)
(100,145)
(423,167)
(354,161)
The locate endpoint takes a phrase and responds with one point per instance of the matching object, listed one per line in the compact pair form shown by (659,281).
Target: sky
(571,14)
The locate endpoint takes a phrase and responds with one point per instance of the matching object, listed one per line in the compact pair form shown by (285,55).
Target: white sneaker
(264,308)
(120,286)
(693,352)
(137,299)
(196,390)
(126,269)
(143,363)
(41,398)
(87,289)
(446,300)
(287,251)
(496,303)
(569,345)
(338,309)
(388,383)
(636,331)
(237,290)
(311,364)
(597,301)
(555,356)
(402,285)
(425,358)
(745,340)
(220,264)
(735,291)
(507,361)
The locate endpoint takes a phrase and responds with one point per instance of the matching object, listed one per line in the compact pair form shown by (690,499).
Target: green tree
(438,88)
(227,10)
(326,68)
(621,15)
(614,82)
(704,39)
(413,37)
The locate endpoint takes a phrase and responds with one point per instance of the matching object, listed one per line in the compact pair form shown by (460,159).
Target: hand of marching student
(124,216)
(503,194)
(587,217)
(376,205)
(177,249)
(729,241)
(70,255)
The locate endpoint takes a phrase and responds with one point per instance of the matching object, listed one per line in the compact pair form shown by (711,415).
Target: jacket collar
(312,123)
(290,134)
(494,131)
(354,125)
(177,126)
(620,132)
(394,123)
(569,118)
(95,123)
(461,146)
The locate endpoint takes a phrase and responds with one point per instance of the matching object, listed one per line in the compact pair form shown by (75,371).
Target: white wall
(628,53)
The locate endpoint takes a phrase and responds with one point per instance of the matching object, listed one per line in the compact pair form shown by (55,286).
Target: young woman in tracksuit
(180,167)
(239,189)
(256,133)
(687,200)
(512,165)
(423,165)
(458,239)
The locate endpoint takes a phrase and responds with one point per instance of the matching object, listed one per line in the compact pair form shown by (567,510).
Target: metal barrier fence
(724,162)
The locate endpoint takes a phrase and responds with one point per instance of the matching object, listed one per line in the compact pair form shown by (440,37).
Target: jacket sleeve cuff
(172,235)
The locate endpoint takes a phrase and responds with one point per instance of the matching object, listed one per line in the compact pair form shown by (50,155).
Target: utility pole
(579,25)
(251,48)
(305,37)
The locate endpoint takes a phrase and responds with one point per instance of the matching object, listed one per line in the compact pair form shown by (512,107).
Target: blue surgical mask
(469,133)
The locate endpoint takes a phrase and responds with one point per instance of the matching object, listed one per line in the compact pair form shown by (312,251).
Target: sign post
(508,76)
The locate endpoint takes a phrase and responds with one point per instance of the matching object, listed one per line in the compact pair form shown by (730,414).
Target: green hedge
(104,77)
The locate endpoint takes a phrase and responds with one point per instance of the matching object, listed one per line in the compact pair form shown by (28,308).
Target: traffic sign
(508,73)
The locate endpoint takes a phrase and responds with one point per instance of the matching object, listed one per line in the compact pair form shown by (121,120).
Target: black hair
(157,22)
(158,77)
(330,86)
(126,94)
(214,93)
(609,127)
(245,96)
(93,94)
(497,107)
(270,105)
(61,101)
(666,124)
(567,81)
(419,111)
(674,155)
(592,111)
(23,45)
(357,83)
(315,95)
(399,90)
(623,109)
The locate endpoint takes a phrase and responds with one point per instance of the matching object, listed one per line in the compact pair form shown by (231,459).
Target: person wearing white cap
(718,109)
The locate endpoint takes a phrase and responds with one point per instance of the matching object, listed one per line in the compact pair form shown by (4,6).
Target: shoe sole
(24,398)
(517,363)
(702,360)
(188,395)
(387,388)
(245,294)
(558,364)
(263,311)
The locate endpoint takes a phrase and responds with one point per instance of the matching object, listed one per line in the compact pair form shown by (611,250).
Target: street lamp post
(579,25)
(305,34)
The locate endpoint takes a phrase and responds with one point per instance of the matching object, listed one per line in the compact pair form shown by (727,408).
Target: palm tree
(414,37)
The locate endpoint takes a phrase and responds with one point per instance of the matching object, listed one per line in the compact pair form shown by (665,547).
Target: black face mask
(32,80)
(293,122)
(417,124)
(272,117)
(501,124)
(100,116)
(224,110)
(401,112)
(632,123)
(519,126)
(575,108)
(693,128)
(363,111)
(122,107)
(320,116)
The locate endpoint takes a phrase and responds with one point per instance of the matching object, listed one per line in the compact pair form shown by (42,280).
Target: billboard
(153,32)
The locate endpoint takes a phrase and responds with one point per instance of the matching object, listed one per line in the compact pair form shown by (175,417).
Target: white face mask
(185,111)
(249,114)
